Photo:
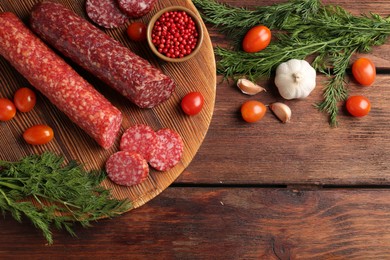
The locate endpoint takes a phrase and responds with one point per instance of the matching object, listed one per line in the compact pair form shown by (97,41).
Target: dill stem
(12,179)
(11,186)
(66,204)
(321,44)
(357,28)
(5,197)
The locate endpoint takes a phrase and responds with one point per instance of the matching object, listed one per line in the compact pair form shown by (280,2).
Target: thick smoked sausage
(91,48)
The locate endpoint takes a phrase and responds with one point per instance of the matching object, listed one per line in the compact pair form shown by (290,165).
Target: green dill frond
(65,194)
(234,22)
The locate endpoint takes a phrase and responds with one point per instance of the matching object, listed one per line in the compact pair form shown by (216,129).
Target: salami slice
(106,58)
(59,82)
(105,13)
(127,168)
(168,151)
(136,8)
(139,138)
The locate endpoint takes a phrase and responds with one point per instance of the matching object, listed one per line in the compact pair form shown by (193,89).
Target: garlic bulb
(295,79)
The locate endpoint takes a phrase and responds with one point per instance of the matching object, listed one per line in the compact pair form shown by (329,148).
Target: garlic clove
(281,111)
(248,87)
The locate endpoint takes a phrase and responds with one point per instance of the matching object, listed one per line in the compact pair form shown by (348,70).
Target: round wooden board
(197,74)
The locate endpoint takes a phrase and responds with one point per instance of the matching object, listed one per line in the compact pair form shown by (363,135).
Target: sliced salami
(139,138)
(136,8)
(127,168)
(168,151)
(105,13)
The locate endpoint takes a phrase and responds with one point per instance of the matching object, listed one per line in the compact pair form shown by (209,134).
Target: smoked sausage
(58,81)
(106,58)
(136,8)
(127,168)
(105,13)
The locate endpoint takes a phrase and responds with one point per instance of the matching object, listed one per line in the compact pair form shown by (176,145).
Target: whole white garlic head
(295,79)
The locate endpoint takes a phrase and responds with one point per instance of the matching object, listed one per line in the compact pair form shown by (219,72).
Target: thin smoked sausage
(55,79)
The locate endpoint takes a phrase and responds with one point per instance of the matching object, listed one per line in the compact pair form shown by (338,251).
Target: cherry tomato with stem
(252,111)
(137,31)
(38,134)
(192,103)
(256,39)
(24,99)
(358,106)
(364,71)
(7,109)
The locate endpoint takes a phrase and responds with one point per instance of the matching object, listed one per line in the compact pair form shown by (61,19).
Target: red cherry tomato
(137,31)
(252,111)
(364,71)
(24,99)
(358,106)
(38,134)
(192,103)
(7,109)
(256,39)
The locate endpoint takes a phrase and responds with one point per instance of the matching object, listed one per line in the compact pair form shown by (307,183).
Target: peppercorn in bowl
(175,34)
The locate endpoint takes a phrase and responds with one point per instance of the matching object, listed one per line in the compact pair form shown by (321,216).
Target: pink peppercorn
(174,34)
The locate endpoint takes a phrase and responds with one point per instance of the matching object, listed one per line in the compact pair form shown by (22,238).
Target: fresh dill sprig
(63,194)
(236,21)
(302,28)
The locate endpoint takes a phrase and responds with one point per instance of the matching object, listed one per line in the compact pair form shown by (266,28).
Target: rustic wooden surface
(260,191)
(226,223)
(197,74)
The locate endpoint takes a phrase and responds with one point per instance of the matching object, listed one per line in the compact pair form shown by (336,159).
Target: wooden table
(266,190)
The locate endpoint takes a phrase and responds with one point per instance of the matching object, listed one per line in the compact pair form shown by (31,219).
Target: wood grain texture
(196,74)
(220,210)
(306,150)
(220,223)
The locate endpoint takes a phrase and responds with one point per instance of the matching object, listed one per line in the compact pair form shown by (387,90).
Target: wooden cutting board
(197,74)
